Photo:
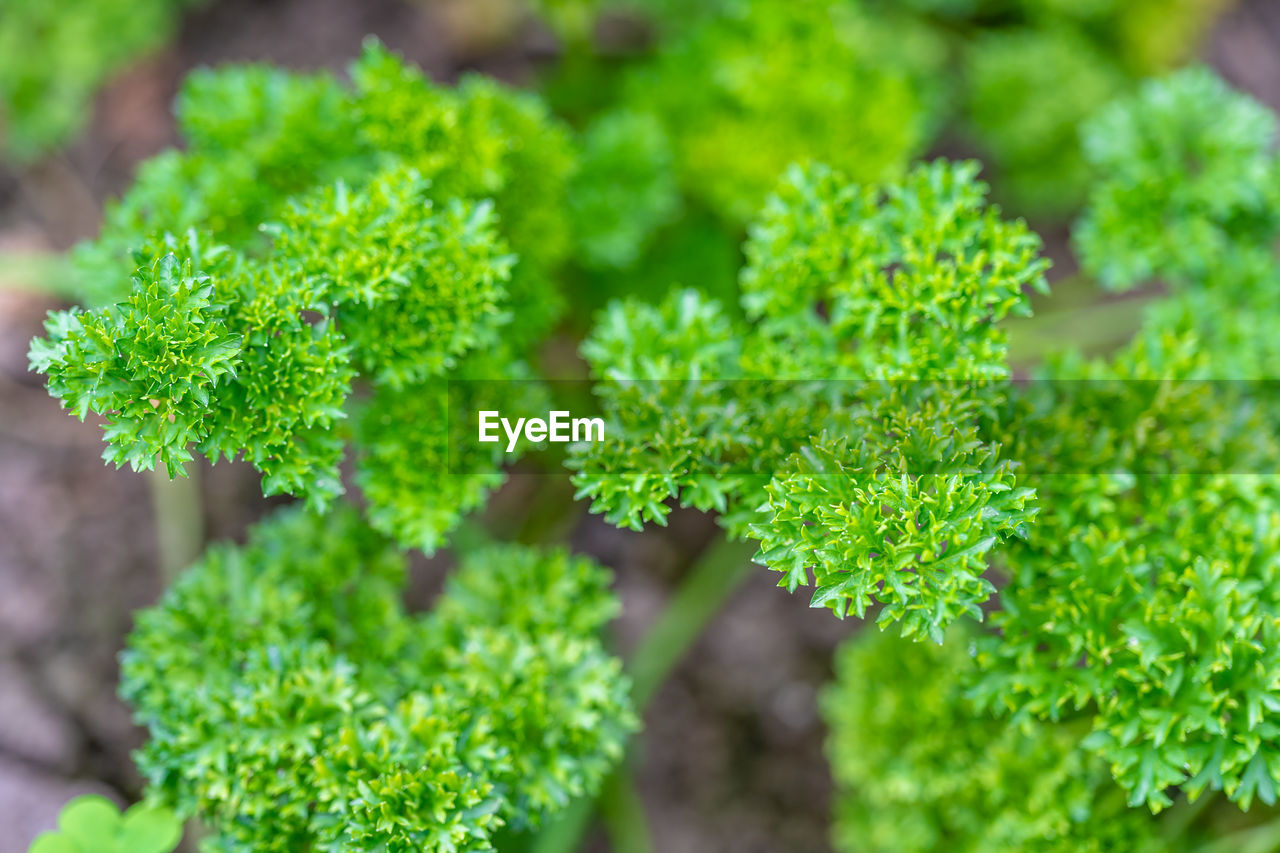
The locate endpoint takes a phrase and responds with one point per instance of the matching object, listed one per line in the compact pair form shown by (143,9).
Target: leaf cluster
(1145,599)
(901,74)
(1138,607)
(1188,185)
(1143,603)
(623,191)
(315,267)
(838,422)
(919,768)
(781,71)
(295,705)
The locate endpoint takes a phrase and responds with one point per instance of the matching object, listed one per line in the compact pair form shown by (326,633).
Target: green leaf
(90,821)
(49,842)
(1256,781)
(149,830)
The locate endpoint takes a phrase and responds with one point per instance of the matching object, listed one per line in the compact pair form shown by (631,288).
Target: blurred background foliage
(57,55)
(681,116)
(697,107)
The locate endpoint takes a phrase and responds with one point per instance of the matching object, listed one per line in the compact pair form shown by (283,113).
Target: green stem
(1177,823)
(700,596)
(552,512)
(566,829)
(1256,839)
(1090,328)
(179,519)
(624,817)
(718,572)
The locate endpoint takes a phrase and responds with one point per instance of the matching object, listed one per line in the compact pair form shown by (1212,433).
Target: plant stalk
(624,817)
(700,596)
(178,510)
(704,591)
(1257,839)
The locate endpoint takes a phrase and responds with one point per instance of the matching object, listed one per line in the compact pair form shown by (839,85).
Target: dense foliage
(1188,187)
(737,90)
(924,770)
(1086,561)
(1138,619)
(780,98)
(901,75)
(309,274)
(295,705)
(54,56)
(1163,569)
